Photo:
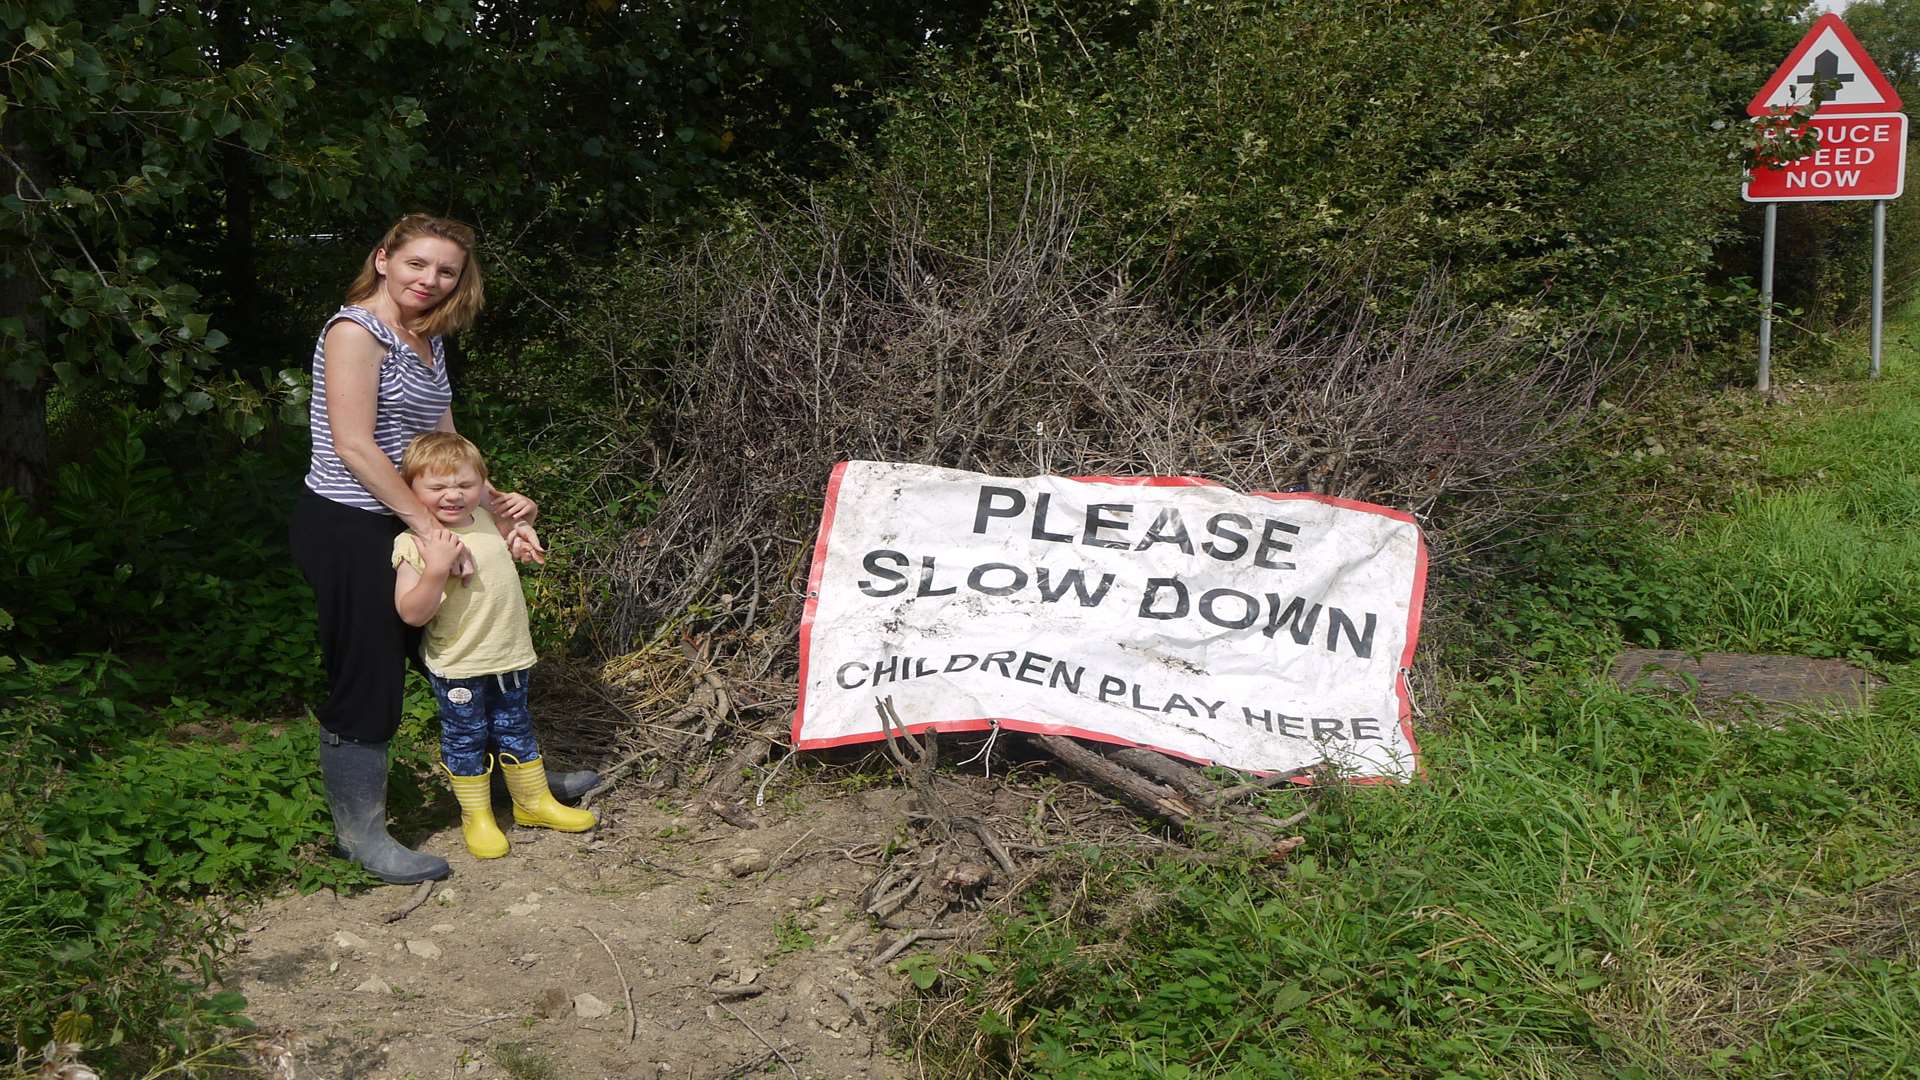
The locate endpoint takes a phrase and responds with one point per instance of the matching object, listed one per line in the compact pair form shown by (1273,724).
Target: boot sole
(536,823)
(407,879)
(404,879)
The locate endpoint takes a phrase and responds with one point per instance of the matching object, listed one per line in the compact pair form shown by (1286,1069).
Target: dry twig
(608,778)
(990,842)
(626,988)
(1265,783)
(772,1049)
(420,894)
(910,938)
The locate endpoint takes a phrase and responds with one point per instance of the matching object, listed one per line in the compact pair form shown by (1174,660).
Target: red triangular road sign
(1832,56)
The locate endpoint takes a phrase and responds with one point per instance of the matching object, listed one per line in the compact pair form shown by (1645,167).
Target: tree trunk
(23,409)
(23,439)
(236,255)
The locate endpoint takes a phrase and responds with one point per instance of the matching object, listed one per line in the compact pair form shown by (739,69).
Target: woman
(379,379)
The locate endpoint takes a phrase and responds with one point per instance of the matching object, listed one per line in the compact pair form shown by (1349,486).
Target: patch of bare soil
(696,934)
(746,951)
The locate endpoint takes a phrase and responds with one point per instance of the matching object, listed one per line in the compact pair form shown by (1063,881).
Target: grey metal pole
(1765,380)
(1879,270)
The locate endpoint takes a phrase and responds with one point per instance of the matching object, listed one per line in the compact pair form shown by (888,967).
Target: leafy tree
(1890,32)
(155,149)
(112,119)
(1561,159)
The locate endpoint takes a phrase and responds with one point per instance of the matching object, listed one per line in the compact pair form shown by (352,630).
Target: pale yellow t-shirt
(481,627)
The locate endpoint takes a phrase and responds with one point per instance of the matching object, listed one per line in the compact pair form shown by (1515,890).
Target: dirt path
(498,974)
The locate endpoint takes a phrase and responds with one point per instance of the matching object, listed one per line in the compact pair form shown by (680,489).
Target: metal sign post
(1765,380)
(1879,268)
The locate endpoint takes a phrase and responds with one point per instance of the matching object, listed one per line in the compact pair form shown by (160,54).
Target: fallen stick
(990,842)
(633,1018)
(1265,783)
(763,1042)
(733,815)
(651,865)
(910,938)
(774,865)
(736,993)
(482,1022)
(607,778)
(895,900)
(749,1068)
(1286,847)
(1291,820)
(1179,777)
(420,894)
(1133,787)
(733,774)
(753,603)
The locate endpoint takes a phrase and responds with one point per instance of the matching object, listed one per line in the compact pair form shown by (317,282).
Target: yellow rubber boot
(483,835)
(534,804)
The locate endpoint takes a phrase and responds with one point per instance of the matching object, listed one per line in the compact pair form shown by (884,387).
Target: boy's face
(450,496)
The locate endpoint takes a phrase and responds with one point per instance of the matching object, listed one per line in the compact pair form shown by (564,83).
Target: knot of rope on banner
(987,750)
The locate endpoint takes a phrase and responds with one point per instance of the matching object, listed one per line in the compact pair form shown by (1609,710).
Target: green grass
(521,1062)
(1826,559)
(1587,882)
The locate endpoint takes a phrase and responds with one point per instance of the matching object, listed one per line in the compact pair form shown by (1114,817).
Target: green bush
(183,569)
(110,835)
(1564,163)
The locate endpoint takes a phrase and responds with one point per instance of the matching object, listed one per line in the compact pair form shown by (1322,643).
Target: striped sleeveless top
(411,398)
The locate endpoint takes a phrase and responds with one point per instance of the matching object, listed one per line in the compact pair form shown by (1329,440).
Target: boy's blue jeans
(476,710)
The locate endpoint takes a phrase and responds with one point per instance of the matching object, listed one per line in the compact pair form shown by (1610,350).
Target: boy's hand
(524,545)
(440,550)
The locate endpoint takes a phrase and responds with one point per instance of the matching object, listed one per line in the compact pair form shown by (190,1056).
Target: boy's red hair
(439,452)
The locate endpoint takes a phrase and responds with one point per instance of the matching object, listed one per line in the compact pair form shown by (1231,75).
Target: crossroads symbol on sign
(1826,79)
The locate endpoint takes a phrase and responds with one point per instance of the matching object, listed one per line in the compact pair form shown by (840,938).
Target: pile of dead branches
(870,334)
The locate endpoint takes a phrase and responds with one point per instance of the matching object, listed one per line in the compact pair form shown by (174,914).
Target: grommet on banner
(987,751)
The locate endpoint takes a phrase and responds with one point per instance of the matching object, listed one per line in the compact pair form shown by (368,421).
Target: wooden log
(1144,794)
(1241,831)
(1182,778)
(733,774)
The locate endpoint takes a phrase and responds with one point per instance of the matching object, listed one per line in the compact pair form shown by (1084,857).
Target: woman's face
(421,273)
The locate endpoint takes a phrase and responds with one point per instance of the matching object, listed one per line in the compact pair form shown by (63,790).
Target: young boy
(478,648)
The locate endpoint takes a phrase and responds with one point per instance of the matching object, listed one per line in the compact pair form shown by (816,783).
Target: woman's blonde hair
(461,306)
(439,452)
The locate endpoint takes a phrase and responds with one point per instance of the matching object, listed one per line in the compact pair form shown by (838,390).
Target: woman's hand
(513,506)
(524,545)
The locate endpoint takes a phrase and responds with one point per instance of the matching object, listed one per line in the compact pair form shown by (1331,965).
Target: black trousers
(347,556)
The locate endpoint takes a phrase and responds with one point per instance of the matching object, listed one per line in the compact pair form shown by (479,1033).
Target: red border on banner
(985,723)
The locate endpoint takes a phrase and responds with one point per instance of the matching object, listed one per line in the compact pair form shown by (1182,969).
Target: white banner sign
(1262,632)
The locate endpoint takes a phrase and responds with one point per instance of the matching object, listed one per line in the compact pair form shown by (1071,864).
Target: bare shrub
(869,335)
